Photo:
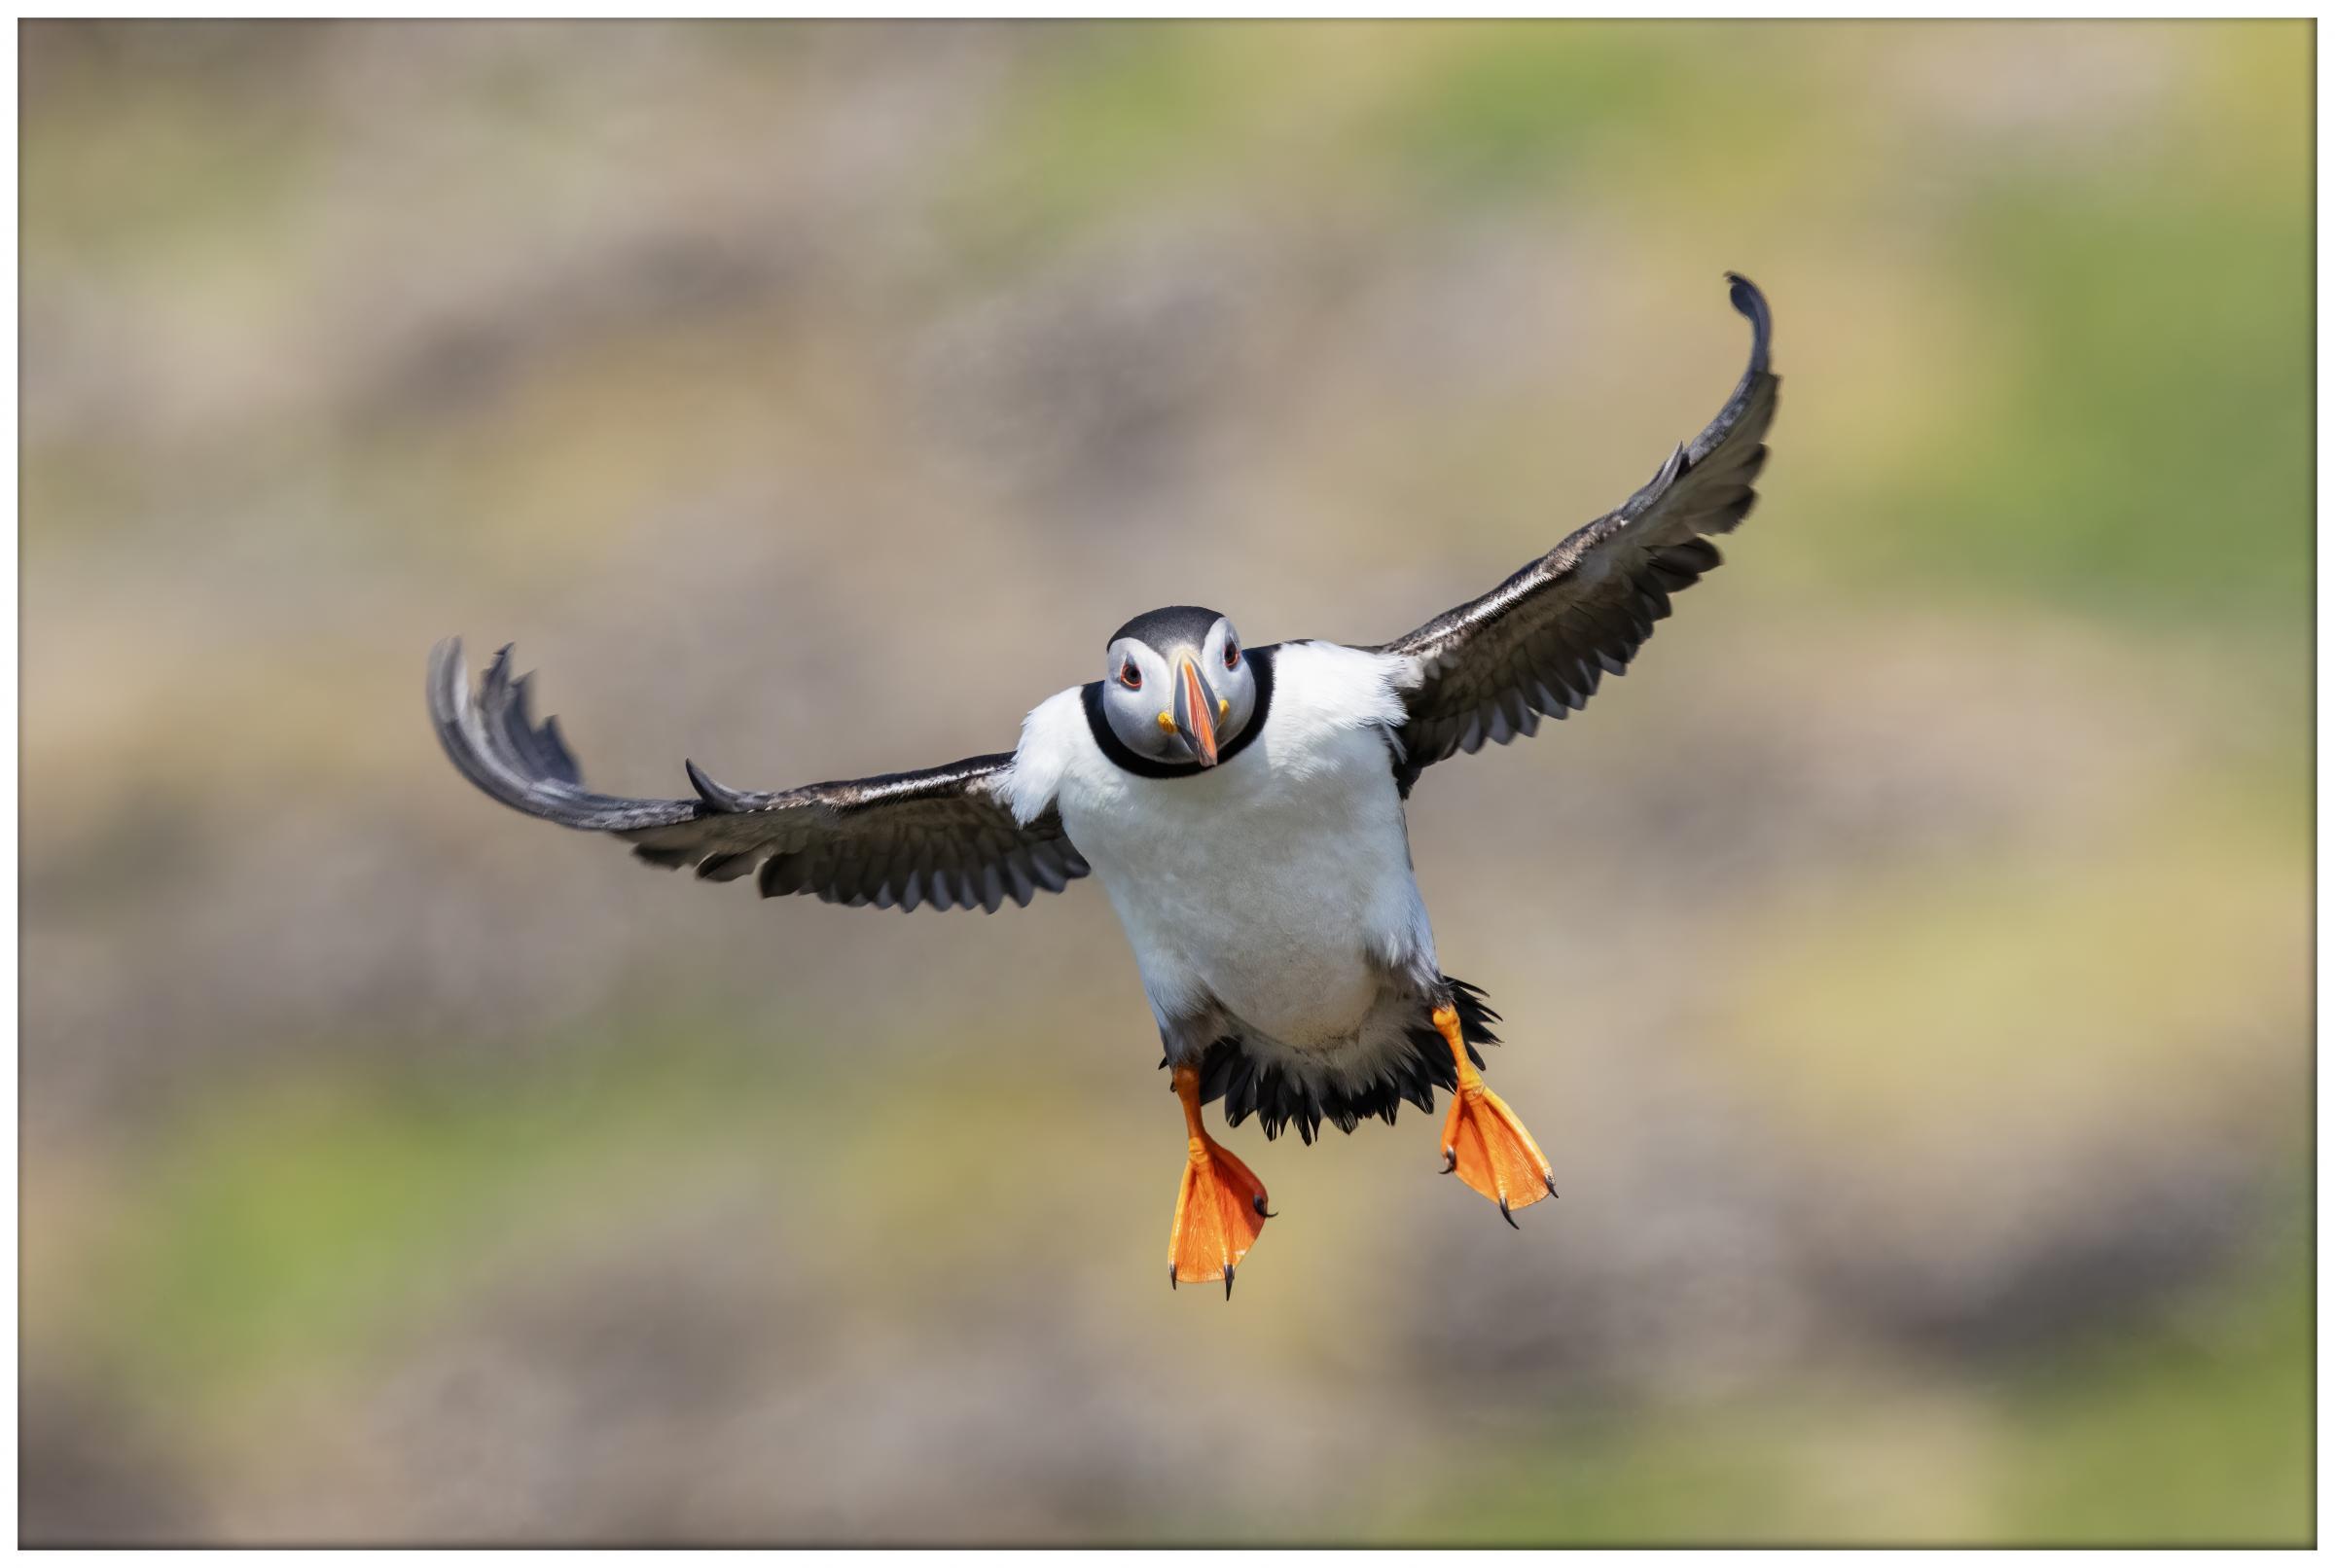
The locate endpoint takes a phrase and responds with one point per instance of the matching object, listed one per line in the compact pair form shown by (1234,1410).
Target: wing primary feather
(1542,640)
(1744,296)
(482,738)
(941,835)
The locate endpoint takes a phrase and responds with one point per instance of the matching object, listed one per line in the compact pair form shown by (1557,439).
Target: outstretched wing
(1539,643)
(944,837)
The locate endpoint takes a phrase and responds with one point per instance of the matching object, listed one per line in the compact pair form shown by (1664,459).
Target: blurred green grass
(288,1236)
(2161,1437)
(2176,486)
(281,1228)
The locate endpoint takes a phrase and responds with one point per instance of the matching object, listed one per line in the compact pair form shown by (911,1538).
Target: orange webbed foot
(1220,1205)
(1484,1143)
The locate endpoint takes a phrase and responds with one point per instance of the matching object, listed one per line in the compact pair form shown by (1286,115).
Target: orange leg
(1219,1208)
(1484,1141)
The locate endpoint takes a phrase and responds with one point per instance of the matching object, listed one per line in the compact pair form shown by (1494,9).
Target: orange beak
(1195,713)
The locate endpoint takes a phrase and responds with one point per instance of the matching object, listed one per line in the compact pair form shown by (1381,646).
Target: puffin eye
(1130,677)
(1231,654)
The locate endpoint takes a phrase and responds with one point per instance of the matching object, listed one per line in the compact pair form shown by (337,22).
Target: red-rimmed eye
(1232,655)
(1130,677)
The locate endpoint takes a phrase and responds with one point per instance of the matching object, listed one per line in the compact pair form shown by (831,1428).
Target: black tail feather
(1250,1086)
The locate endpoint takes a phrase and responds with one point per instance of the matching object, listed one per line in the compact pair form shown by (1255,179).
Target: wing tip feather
(1752,305)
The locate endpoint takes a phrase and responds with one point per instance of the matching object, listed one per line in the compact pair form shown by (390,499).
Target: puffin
(1243,807)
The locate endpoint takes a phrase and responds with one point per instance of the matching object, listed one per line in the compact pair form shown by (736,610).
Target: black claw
(1258,1203)
(1171,1276)
(1450,1162)
(1505,1215)
(1550,1182)
(1228,1282)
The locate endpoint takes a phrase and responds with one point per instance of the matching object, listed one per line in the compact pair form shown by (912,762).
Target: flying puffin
(1242,805)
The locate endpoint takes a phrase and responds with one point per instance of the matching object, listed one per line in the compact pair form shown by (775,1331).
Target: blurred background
(1907,966)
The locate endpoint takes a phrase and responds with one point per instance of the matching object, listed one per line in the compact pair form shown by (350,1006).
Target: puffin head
(1176,687)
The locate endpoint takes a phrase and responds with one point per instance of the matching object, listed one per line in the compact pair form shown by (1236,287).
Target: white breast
(1277,883)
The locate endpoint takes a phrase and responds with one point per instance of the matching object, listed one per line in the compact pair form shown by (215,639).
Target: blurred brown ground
(1906,966)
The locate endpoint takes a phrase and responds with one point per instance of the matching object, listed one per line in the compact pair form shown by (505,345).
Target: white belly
(1277,885)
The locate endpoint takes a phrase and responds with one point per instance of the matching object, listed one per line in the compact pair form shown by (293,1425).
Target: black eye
(1130,677)
(1232,655)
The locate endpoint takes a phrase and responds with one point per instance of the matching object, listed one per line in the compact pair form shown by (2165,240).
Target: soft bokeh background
(1907,965)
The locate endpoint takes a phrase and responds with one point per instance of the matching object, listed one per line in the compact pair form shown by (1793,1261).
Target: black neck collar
(1089,695)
